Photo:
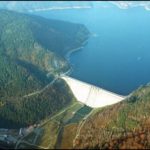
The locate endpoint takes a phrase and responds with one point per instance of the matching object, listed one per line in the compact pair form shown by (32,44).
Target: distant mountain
(30,48)
(47,5)
(31,6)
(125,125)
(131,4)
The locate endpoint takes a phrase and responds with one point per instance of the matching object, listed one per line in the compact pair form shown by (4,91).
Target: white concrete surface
(91,95)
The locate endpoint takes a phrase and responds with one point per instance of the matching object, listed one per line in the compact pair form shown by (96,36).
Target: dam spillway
(91,95)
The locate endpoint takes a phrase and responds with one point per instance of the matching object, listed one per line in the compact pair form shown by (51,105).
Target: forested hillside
(125,125)
(39,41)
(17,111)
(30,48)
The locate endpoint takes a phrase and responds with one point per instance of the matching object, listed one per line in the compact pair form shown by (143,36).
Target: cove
(117,55)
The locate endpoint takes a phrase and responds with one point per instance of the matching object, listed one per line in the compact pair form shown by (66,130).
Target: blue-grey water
(117,56)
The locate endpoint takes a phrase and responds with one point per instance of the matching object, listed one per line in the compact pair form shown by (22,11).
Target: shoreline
(59,8)
(67,56)
(72,51)
(76,49)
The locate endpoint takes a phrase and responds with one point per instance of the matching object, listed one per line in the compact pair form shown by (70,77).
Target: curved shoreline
(67,56)
(76,49)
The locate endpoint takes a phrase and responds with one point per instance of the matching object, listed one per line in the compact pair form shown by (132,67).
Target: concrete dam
(91,95)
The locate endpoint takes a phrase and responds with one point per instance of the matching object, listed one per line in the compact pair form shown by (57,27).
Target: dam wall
(91,95)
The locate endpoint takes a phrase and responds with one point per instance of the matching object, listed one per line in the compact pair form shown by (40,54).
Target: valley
(72,80)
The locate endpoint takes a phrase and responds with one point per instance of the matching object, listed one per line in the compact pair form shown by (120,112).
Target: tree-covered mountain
(39,41)
(30,48)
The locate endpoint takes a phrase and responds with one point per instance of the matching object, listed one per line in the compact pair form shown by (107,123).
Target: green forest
(30,48)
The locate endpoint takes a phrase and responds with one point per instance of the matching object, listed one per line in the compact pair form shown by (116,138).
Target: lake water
(117,56)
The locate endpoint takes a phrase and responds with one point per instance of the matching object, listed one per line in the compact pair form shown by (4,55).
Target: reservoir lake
(117,55)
